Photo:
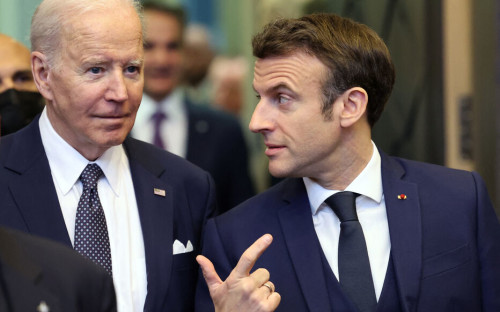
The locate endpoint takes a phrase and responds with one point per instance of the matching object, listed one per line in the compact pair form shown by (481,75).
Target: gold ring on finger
(269,286)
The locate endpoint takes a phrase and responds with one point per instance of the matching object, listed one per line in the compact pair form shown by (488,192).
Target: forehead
(13,56)
(96,30)
(161,25)
(294,71)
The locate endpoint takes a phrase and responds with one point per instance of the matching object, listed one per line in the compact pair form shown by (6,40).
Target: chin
(278,172)
(111,139)
(158,88)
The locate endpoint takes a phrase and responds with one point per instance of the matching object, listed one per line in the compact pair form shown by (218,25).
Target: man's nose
(117,89)
(6,84)
(261,118)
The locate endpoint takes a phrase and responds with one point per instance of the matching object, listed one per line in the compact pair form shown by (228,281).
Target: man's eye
(23,78)
(132,69)
(95,70)
(283,100)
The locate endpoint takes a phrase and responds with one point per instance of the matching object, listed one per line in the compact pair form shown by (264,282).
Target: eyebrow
(138,62)
(99,61)
(280,85)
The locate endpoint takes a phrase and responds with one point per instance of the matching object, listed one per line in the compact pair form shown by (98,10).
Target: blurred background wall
(447,56)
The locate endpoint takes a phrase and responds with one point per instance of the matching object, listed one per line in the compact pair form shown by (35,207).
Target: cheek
(135,93)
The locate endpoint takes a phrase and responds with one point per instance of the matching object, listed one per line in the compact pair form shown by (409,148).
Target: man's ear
(355,101)
(40,69)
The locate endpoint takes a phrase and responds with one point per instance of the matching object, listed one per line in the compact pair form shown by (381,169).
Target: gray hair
(52,16)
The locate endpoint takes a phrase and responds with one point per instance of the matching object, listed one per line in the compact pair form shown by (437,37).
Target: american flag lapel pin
(159,192)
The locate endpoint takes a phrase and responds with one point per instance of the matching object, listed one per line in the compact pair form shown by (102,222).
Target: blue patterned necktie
(355,275)
(91,231)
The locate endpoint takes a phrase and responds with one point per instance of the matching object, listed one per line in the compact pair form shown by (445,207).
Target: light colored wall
(15,18)
(458,82)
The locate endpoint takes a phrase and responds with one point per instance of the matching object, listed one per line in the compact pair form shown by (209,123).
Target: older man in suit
(73,176)
(354,229)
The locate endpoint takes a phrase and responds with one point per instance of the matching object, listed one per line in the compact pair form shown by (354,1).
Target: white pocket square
(179,248)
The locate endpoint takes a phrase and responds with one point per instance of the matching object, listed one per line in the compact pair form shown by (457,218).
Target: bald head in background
(15,69)
(20,101)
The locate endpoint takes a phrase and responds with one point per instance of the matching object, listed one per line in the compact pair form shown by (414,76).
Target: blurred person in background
(20,100)
(211,139)
(41,275)
(198,58)
(227,76)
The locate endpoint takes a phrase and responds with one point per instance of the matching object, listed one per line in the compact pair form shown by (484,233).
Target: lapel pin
(159,192)
(402,196)
(43,307)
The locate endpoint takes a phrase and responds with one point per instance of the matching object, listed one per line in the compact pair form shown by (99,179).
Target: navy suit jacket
(36,271)
(29,203)
(216,144)
(445,241)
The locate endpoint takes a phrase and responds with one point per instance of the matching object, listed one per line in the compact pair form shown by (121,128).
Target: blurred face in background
(15,68)
(163,58)
(20,101)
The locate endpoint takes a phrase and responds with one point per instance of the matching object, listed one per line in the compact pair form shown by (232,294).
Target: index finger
(250,256)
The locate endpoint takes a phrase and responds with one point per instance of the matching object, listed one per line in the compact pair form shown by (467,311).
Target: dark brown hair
(353,53)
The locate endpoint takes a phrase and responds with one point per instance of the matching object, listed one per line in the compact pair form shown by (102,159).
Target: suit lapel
(405,230)
(303,245)
(156,215)
(34,186)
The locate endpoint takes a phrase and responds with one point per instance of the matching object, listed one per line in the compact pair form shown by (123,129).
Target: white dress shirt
(173,130)
(116,192)
(370,207)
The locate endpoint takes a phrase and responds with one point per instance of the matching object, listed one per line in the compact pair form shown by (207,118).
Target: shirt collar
(368,183)
(172,105)
(67,164)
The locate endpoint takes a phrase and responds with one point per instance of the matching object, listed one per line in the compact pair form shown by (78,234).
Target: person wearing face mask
(20,101)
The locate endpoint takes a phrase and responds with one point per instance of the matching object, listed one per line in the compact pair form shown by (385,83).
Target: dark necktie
(91,231)
(158,117)
(354,266)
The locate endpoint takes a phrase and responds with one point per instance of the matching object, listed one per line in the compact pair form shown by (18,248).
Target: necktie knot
(90,176)
(158,117)
(344,205)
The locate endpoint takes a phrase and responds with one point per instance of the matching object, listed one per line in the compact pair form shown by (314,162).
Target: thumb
(211,277)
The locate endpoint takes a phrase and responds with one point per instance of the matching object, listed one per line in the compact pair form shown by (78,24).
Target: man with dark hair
(354,229)
(210,139)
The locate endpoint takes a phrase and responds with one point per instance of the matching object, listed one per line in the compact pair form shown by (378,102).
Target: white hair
(52,16)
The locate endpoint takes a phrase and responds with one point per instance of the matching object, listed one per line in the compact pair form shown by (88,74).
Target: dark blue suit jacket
(29,203)
(216,144)
(35,270)
(445,240)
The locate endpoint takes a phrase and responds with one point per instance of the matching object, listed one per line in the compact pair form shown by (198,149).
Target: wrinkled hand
(242,291)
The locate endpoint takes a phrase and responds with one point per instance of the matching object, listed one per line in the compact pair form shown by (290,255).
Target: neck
(351,158)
